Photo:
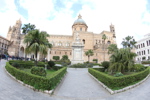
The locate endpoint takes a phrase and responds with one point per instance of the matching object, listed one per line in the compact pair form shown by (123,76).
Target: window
(144,52)
(147,43)
(148,51)
(65,53)
(83,41)
(80,29)
(143,45)
(75,29)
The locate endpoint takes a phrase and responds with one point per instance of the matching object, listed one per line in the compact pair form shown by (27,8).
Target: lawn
(48,71)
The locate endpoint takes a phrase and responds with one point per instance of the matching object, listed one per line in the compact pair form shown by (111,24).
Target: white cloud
(8,16)
(126,15)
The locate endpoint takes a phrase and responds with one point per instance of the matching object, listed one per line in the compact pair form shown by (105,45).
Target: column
(48,55)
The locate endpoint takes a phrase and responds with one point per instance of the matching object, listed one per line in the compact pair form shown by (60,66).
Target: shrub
(38,71)
(95,60)
(97,64)
(56,58)
(36,81)
(64,57)
(118,74)
(105,64)
(50,64)
(26,64)
(80,65)
(139,67)
(114,82)
(89,65)
(15,64)
(145,62)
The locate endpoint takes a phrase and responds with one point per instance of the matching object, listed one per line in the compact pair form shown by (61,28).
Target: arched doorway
(21,53)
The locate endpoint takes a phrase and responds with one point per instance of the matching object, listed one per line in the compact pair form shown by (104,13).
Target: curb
(31,87)
(121,90)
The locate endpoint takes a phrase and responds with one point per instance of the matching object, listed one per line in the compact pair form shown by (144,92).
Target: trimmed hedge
(145,62)
(122,81)
(26,64)
(37,82)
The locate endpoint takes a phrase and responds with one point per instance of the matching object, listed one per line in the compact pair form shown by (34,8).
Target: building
(143,48)
(62,44)
(4,44)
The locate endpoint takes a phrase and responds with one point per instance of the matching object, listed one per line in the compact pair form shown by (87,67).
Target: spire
(9,29)
(79,17)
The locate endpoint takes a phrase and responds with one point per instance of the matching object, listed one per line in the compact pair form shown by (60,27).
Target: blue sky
(130,17)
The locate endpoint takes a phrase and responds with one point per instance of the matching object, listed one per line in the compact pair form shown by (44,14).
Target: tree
(25,29)
(89,53)
(104,38)
(28,27)
(56,58)
(37,42)
(122,60)
(64,57)
(129,42)
(112,48)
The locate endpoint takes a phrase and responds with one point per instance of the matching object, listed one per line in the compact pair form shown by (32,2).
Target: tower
(13,36)
(112,29)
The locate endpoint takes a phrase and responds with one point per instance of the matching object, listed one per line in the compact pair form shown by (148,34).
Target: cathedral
(62,44)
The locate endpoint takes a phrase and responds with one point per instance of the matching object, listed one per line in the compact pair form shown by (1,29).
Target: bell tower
(13,36)
(112,29)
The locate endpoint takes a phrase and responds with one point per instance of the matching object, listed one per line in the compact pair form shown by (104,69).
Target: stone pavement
(77,85)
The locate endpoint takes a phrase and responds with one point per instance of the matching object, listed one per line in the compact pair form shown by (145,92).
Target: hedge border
(49,80)
(120,90)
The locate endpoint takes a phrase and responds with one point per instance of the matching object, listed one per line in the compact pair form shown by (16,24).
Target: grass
(48,71)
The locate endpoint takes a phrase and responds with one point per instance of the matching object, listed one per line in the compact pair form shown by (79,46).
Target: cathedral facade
(62,44)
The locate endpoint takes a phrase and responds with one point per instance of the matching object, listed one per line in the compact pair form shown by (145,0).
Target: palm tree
(27,27)
(122,60)
(104,38)
(89,53)
(112,48)
(129,42)
(37,43)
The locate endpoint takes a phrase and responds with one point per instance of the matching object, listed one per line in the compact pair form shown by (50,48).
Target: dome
(79,21)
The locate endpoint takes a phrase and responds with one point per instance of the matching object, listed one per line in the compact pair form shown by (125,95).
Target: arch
(80,29)
(83,41)
(108,42)
(21,53)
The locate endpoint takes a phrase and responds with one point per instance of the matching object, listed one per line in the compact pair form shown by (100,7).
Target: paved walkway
(77,85)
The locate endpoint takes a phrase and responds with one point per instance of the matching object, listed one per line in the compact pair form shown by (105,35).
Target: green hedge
(145,62)
(37,82)
(26,64)
(114,82)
